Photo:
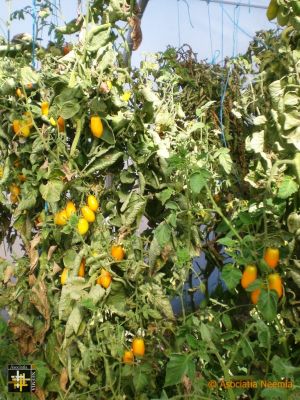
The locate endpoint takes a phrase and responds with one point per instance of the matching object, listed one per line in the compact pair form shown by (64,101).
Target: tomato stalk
(77,136)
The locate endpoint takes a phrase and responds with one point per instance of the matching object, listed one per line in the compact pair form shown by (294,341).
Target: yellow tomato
(25,128)
(109,84)
(128,357)
(61,218)
(275,283)
(138,347)
(117,252)
(88,214)
(249,276)
(81,270)
(19,92)
(52,121)
(92,202)
(271,257)
(126,96)
(14,189)
(45,108)
(82,226)
(70,208)
(61,124)
(1,171)
(96,126)
(64,276)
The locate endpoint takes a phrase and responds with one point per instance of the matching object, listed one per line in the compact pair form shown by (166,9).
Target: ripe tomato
(81,270)
(67,48)
(14,189)
(96,126)
(13,198)
(22,178)
(45,108)
(61,124)
(16,126)
(275,283)
(128,357)
(255,296)
(82,226)
(64,276)
(104,279)
(92,202)
(88,214)
(117,252)
(138,347)
(19,92)
(249,275)
(61,218)
(70,208)
(271,257)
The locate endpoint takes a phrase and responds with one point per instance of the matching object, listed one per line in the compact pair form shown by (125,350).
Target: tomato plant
(127,181)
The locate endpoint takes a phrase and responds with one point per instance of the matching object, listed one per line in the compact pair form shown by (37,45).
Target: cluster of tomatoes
(87,211)
(274,282)
(137,350)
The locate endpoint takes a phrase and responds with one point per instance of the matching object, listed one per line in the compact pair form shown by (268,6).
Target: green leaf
(263,334)
(231,276)
(140,380)
(178,366)
(291,120)
(287,187)
(28,201)
(96,40)
(73,322)
(106,161)
(69,109)
(165,195)
(108,135)
(69,258)
(198,180)
(267,305)
(282,367)
(225,160)
(163,234)
(117,298)
(28,76)
(228,242)
(52,190)
(205,333)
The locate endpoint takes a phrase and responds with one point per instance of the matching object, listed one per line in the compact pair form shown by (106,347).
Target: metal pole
(235,3)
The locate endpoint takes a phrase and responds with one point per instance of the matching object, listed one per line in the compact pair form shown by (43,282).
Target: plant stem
(76,138)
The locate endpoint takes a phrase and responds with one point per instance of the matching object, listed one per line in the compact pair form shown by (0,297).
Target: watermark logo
(21,378)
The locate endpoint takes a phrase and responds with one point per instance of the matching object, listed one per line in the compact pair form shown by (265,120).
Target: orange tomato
(92,202)
(128,357)
(14,199)
(81,270)
(16,126)
(117,252)
(96,126)
(275,283)
(88,214)
(138,347)
(14,189)
(70,208)
(22,178)
(249,275)
(104,279)
(67,48)
(255,296)
(61,124)
(271,257)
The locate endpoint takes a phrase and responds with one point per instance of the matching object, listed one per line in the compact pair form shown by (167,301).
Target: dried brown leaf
(56,268)
(136,34)
(187,384)
(39,393)
(8,273)
(51,251)
(31,280)
(39,299)
(68,173)
(24,336)
(63,380)
(33,253)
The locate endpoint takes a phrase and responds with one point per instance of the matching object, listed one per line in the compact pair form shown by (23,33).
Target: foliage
(159,159)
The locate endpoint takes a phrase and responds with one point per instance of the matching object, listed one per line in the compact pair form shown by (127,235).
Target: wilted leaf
(52,190)
(63,380)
